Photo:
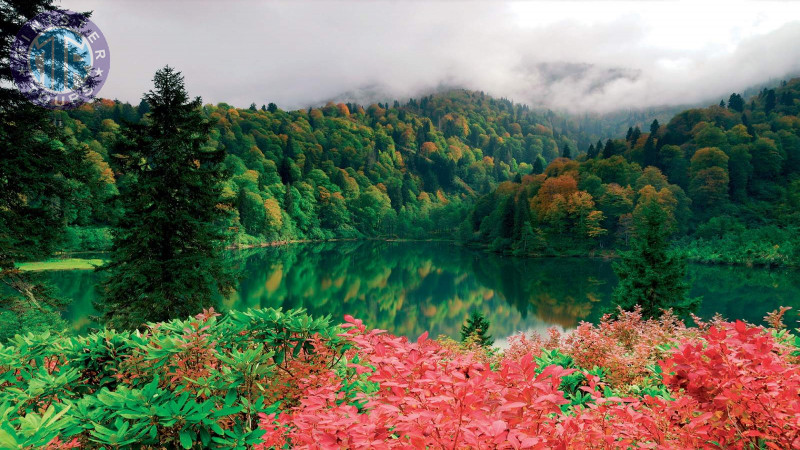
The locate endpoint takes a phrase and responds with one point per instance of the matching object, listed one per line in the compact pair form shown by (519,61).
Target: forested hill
(343,170)
(728,177)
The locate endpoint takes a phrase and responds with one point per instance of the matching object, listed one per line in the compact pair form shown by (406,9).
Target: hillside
(729,177)
(343,170)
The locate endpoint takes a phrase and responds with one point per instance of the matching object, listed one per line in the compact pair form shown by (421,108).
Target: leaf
(186,440)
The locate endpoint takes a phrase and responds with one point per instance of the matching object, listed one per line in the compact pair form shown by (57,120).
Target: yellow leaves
(273,210)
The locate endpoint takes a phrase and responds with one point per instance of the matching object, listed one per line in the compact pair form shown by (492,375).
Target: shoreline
(69,263)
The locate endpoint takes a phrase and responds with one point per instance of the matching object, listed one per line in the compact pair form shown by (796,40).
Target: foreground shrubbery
(270,379)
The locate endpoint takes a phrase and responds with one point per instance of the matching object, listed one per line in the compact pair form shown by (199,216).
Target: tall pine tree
(649,274)
(39,168)
(167,259)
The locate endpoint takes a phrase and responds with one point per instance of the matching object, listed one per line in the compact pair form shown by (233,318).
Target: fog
(576,56)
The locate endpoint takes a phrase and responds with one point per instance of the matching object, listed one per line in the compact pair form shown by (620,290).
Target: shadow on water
(412,287)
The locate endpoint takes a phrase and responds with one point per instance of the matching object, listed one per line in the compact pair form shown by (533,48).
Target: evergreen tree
(477,329)
(769,101)
(567,153)
(629,134)
(736,102)
(649,274)
(38,167)
(143,108)
(272,107)
(253,107)
(538,165)
(650,153)
(637,133)
(166,260)
(591,153)
(654,127)
(609,150)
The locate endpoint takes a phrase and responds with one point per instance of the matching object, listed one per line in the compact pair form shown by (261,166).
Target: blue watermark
(60,59)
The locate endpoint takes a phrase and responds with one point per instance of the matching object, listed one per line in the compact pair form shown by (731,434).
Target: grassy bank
(61,264)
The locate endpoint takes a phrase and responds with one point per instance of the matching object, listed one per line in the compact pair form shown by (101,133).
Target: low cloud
(576,56)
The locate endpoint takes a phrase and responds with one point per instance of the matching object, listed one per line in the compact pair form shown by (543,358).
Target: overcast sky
(578,56)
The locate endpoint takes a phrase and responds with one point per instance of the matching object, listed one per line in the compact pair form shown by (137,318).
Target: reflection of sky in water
(408,288)
(59,59)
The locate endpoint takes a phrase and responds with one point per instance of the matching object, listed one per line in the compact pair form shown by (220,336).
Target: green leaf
(186,440)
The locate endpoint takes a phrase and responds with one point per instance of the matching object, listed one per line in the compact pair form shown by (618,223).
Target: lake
(412,287)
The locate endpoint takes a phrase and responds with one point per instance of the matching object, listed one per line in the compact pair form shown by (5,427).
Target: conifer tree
(38,170)
(166,259)
(649,274)
(538,165)
(477,329)
(567,153)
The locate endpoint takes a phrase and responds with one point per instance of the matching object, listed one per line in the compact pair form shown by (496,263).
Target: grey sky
(579,56)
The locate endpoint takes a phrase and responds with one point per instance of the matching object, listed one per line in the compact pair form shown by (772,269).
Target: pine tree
(649,274)
(736,102)
(591,153)
(166,260)
(477,330)
(538,165)
(769,101)
(38,167)
(567,153)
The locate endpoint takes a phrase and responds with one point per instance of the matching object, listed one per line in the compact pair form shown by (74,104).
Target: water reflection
(412,287)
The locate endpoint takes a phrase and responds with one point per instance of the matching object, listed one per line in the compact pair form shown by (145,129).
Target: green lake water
(412,287)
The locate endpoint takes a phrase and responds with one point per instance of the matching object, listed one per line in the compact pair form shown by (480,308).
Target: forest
(339,171)
(189,335)
(505,177)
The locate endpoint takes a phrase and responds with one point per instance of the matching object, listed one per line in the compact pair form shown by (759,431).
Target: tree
(477,330)
(591,153)
(38,171)
(736,102)
(166,259)
(708,186)
(538,165)
(649,274)
(567,153)
(769,101)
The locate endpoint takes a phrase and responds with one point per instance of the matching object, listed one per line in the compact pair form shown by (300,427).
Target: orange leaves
(428,148)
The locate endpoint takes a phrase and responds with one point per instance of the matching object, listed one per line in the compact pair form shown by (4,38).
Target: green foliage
(476,329)
(166,260)
(197,383)
(650,276)
(740,164)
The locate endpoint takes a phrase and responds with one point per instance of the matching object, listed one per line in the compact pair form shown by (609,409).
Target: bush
(268,379)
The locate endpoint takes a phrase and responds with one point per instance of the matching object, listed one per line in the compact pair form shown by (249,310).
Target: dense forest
(342,171)
(728,176)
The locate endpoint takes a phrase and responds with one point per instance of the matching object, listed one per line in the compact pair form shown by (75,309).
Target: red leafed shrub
(729,387)
(745,393)
(625,347)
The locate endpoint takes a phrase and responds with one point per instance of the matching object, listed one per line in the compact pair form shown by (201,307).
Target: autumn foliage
(725,385)
(266,379)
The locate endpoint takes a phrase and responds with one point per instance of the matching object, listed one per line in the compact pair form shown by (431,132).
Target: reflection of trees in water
(559,291)
(745,293)
(409,288)
(412,287)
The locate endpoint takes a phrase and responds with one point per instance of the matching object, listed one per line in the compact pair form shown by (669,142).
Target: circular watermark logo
(60,59)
